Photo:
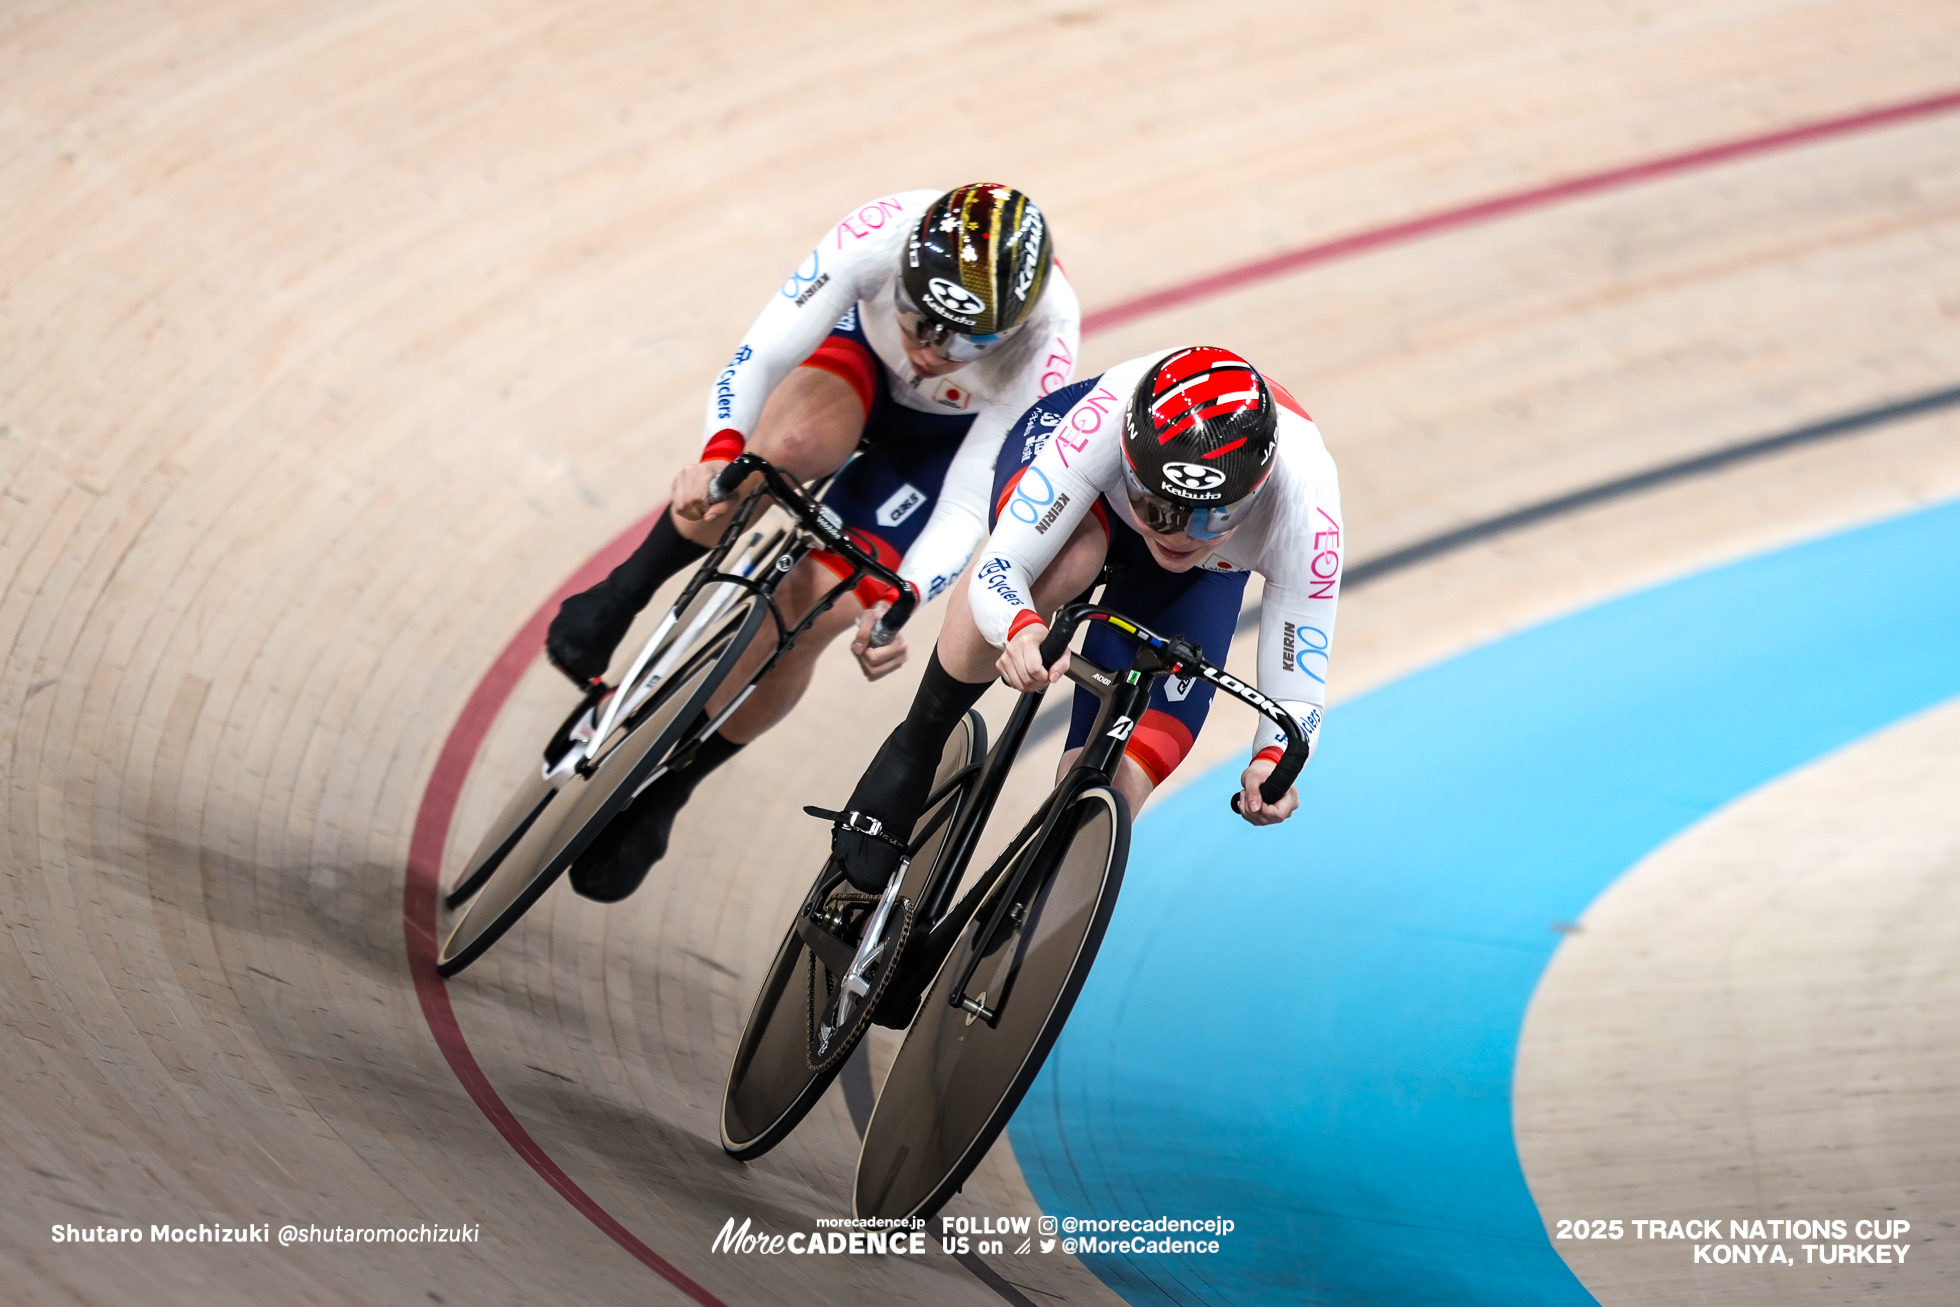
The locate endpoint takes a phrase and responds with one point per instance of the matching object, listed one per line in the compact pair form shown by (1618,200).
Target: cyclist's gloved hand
(588,627)
(877,663)
(1254,808)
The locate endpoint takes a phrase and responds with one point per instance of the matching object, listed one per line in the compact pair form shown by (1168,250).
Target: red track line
(438,808)
(425,848)
(1484,210)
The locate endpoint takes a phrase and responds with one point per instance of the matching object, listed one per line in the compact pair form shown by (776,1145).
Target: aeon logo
(1193,476)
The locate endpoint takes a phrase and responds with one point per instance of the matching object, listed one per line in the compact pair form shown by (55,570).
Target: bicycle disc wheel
(793,1044)
(520,810)
(566,824)
(958,1078)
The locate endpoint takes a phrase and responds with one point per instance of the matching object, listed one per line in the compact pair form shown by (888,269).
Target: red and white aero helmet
(1198,442)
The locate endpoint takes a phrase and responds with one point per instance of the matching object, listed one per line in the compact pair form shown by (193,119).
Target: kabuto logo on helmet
(1193,476)
(953,300)
(1200,429)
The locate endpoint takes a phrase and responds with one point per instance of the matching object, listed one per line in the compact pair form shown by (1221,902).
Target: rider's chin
(1174,558)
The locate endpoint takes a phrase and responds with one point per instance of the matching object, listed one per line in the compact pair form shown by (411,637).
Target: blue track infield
(1311,1030)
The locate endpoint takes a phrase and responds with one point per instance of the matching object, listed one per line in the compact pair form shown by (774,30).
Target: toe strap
(858,822)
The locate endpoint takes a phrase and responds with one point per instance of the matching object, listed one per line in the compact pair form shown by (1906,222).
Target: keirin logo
(1193,476)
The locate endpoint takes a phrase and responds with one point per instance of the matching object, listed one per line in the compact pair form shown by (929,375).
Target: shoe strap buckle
(862,823)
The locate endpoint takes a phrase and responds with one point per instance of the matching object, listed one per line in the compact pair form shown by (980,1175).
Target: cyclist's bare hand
(877,663)
(690,494)
(1255,809)
(1020,662)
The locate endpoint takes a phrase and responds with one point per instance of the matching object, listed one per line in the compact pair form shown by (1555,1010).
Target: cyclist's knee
(1135,777)
(1134,783)
(805,589)
(811,423)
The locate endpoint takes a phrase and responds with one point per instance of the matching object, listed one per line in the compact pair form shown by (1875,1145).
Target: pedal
(576,732)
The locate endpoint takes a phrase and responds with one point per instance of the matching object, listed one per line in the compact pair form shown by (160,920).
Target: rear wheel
(812,1011)
(566,823)
(959,1077)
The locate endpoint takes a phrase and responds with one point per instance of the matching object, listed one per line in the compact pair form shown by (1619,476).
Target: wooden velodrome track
(335,338)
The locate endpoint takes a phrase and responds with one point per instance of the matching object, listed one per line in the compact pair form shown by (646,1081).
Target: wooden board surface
(334,337)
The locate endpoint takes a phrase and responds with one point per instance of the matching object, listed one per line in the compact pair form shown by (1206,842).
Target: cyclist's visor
(1162,517)
(935,336)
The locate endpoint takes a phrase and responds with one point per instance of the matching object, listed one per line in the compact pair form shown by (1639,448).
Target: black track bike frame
(1125,695)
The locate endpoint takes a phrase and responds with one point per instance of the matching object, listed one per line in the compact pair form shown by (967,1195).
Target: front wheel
(567,823)
(959,1076)
(810,1013)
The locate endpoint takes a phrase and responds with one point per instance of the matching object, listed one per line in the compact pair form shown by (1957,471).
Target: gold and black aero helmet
(1199,437)
(977,261)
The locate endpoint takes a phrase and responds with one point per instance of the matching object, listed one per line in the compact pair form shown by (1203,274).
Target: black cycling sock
(615,863)
(708,755)
(590,624)
(899,781)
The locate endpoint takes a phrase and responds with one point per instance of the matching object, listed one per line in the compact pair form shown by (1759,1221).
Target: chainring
(823,1052)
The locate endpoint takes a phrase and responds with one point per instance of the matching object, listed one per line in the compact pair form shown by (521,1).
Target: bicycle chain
(900,931)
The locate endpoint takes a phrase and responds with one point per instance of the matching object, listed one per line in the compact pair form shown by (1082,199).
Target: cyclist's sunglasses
(953,346)
(1164,518)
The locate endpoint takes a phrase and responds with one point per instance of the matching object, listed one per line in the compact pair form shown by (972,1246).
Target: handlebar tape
(887,627)
(1055,645)
(727,481)
(1275,786)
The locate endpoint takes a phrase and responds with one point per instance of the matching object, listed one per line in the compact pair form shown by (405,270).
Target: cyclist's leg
(894,788)
(782,689)
(809,426)
(813,422)
(962,648)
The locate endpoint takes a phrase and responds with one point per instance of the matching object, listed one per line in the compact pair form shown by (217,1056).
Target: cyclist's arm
(1296,621)
(959,517)
(853,260)
(1058,489)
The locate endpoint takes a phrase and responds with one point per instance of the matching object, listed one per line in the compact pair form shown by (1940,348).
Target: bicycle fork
(1124,696)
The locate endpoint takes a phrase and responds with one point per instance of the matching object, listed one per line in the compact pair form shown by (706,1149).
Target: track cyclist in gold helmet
(920,328)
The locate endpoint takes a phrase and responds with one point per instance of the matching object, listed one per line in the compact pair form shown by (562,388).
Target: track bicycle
(983,985)
(621,738)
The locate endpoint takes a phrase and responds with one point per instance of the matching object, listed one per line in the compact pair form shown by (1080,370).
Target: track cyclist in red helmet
(1185,471)
(922,325)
